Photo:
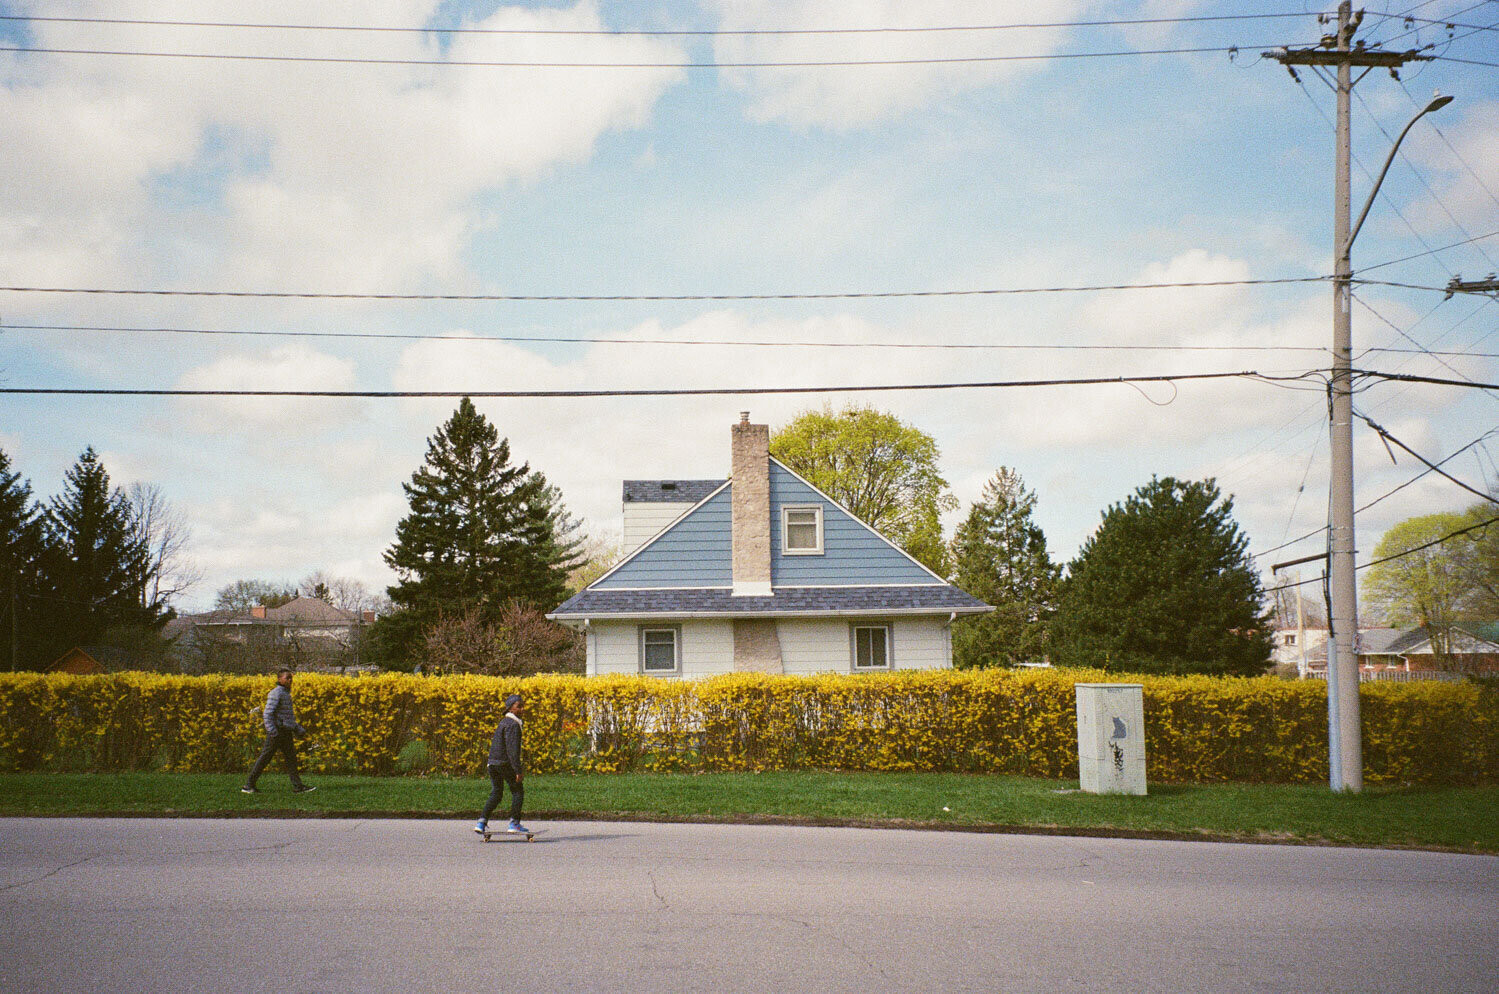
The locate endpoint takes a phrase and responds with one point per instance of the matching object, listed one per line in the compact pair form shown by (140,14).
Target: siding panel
(853,555)
(695,552)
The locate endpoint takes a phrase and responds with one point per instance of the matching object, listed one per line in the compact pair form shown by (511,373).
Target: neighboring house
(1474,648)
(1394,653)
(304,629)
(1304,648)
(761,572)
(89,659)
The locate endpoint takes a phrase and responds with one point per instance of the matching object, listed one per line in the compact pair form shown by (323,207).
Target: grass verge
(1449,818)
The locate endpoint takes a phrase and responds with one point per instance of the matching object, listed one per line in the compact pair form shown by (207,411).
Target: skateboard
(529,836)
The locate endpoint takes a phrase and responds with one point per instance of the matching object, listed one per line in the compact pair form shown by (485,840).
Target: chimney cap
(744,417)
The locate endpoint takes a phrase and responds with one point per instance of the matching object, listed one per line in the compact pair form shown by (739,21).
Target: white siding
(643,519)
(707,648)
(811,646)
(808,646)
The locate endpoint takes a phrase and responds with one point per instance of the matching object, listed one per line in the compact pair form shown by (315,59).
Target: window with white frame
(869,646)
(801,530)
(661,650)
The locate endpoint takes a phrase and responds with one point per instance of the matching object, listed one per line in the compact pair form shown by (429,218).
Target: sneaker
(303,789)
(516,828)
(481,826)
(248,790)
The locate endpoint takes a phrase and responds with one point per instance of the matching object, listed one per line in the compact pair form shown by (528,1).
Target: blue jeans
(499,776)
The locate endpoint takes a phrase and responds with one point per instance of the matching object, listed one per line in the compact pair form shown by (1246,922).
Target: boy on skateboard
(505,768)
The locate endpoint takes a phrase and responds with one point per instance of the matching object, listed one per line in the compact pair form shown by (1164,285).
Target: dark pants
(279,742)
(499,776)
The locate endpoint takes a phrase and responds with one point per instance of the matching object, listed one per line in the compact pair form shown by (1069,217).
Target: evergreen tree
(1165,585)
(481,532)
(999,556)
(22,634)
(97,562)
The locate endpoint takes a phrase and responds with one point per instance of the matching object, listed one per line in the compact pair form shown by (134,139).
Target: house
(77,660)
(305,631)
(1304,648)
(1472,648)
(90,659)
(760,572)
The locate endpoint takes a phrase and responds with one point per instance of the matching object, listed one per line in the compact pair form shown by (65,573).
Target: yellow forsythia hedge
(1198,729)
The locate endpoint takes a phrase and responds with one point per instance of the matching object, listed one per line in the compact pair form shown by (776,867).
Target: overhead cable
(522,64)
(604,297)
(660,32)
(590,340)
(673,392)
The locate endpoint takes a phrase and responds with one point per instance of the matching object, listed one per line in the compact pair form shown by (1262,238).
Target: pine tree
(999,555)
(481,532)
(97,561)
(22,634)
(1165,585)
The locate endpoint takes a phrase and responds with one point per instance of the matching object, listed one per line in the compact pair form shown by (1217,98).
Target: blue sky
(131,172)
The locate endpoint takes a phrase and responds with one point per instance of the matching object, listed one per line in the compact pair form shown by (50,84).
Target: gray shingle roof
(925,598)
(675,491)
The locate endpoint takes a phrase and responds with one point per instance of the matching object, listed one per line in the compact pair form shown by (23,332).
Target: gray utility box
(1111,738)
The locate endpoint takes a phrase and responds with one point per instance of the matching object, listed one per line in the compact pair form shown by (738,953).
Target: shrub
(1197,729)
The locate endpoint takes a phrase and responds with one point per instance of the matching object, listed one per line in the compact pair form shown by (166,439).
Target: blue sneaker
(516,828)
(481,826)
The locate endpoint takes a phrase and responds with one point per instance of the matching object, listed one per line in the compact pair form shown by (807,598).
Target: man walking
(280,727)
(505,768)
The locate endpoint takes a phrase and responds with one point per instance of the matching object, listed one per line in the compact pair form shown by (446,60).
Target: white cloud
(856,96)
(290,367)
(100,148)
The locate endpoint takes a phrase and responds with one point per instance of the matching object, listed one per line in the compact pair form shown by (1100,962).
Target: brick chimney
(257,611)
(750,473)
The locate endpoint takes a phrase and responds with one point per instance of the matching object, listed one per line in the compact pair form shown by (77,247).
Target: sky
(1057,156)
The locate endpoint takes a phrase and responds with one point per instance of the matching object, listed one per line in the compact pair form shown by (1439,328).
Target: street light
(1345,744)
(1436,104)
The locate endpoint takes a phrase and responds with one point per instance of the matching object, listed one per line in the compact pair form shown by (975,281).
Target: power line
(1408,552)
(664,32)
(1421,475)
(586,340)
(516,64)
(1444,248)
(1434,467)
(1408,378)
(677,392)
(533,298)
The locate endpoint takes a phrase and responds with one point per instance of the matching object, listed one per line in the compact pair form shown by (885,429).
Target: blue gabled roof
(925,599)
(687,569)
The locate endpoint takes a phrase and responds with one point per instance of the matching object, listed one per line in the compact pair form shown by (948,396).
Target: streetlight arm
(1436,104)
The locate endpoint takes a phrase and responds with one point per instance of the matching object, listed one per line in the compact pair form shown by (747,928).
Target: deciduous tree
(1422,580)
(878,467)
(1165,585)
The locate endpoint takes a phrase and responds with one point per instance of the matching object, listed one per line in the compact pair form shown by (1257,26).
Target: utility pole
(1345,740)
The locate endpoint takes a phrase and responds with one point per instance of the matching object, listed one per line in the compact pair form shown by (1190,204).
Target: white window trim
(786,510)
(853,646)
(676,635)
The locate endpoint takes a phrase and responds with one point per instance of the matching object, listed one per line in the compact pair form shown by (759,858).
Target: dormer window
(801,530)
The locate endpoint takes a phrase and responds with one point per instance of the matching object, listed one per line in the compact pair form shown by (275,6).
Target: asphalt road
(347,905)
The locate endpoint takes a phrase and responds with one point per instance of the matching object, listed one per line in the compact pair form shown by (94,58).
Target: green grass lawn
(1458,818)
